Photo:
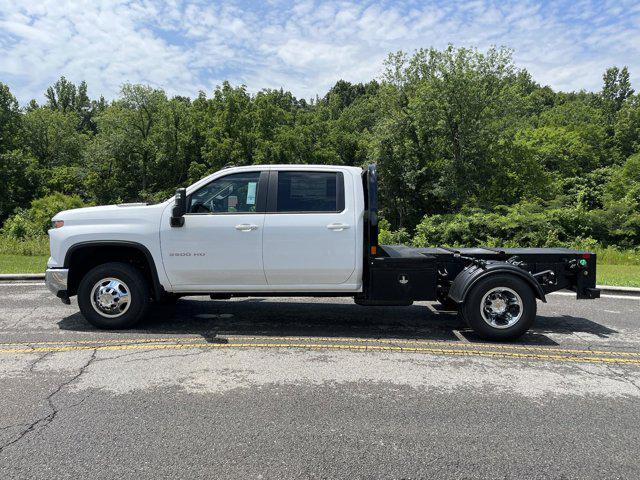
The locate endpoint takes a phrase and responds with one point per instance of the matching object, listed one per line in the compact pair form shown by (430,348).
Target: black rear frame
(399,275)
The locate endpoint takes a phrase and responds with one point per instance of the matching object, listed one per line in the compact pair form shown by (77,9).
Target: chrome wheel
(110,297)
(501,307)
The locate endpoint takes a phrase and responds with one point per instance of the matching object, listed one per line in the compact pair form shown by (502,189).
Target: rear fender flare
(466,279)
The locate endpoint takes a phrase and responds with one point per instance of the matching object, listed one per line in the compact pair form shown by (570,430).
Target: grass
(615,267)
(22,263)
(620,275)
(23,256)
(614,256)
(37,246)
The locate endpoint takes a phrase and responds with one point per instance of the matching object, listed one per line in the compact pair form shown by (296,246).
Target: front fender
(468,277)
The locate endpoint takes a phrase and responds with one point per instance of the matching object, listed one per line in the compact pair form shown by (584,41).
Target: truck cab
(274,228)
(286,230)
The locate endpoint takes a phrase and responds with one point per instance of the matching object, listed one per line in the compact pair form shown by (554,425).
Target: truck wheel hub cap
(501,307)
(110,297)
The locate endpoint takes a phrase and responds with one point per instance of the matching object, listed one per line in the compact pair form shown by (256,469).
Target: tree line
(469,147)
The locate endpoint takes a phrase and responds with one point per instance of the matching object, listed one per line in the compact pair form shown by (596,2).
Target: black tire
(133,281)
(471,308)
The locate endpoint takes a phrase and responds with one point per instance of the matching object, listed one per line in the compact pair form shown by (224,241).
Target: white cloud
(305,46)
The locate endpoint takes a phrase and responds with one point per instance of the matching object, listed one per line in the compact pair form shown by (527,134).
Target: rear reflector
(374,250)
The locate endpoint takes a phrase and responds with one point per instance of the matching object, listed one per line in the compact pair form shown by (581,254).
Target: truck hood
(110,213)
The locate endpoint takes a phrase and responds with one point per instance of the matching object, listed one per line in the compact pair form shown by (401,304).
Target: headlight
(57,223)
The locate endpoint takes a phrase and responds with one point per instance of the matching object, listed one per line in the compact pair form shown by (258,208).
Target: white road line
(460,336)
(623,297)
(433,309)
(22,284)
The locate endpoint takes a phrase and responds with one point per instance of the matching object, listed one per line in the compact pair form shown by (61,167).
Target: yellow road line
(108,340)
(460,345)
(442,342)
(320,346)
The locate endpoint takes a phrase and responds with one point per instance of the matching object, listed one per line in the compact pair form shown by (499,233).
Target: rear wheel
(113,295)
(500,307)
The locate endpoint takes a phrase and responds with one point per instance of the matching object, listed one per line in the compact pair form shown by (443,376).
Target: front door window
(236,193)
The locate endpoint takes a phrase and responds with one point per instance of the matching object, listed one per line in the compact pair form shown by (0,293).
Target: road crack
(623,377)
(6,427)
(610,369)
(38,360)
(23,317)
(45,421)
(589,372)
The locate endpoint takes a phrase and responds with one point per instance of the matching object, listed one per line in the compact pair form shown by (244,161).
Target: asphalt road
(319,388)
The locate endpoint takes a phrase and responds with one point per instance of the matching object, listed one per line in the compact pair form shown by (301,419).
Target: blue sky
(304,46)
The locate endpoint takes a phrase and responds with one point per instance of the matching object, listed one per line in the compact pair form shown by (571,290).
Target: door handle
(246,227)
(338,227)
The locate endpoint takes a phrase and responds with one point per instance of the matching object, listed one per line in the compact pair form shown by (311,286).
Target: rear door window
(310,192)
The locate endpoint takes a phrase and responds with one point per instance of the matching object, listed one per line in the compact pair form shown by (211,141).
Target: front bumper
(56,281)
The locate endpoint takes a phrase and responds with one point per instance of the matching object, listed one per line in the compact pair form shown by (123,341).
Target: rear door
(310,229)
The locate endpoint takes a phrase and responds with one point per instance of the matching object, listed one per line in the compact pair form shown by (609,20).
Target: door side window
(310,192)
(236,193)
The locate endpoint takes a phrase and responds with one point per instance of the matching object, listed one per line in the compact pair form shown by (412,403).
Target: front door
(310,229)
(220,245)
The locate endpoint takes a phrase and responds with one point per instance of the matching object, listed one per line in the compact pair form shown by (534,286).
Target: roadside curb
(627,291)
(604,289)
(6,277)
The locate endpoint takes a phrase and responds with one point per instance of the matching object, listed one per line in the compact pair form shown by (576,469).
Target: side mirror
(179,208)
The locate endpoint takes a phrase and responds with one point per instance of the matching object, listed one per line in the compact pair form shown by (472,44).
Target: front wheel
(500,307)
(113,295)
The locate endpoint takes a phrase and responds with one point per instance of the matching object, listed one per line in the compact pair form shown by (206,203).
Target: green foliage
(627,128)
(32,246)
(19,178)
(20,226)
(586,190)
(388,237)
(9,119)
(52,138)
(469,148)
(532,225)
(616,88)
(625,182)
(445,138)
(36,221)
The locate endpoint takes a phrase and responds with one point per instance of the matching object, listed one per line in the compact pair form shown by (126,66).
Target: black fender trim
(471,274)
(158,289)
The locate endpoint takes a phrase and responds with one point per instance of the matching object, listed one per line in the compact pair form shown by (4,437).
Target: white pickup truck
(285,230)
